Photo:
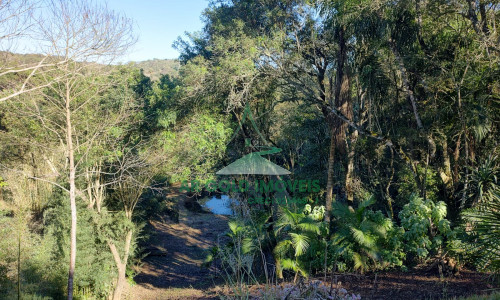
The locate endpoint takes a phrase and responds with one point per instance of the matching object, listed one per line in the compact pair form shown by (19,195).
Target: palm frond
(235,227)
(288,264)
(360,262)
(282,247)
(368,202)
(300,243)
(309,225)
(361,238)
(485,221)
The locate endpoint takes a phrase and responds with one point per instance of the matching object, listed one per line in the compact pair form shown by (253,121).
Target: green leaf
(300,243)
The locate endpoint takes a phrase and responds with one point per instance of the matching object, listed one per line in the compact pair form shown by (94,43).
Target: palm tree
(296,232)
(359,232)
(484,229)
(484,180)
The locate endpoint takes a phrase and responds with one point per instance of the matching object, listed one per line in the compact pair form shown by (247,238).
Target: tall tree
(81,38)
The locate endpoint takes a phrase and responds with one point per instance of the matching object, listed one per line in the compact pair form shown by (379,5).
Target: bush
(426,229)
(365,239)
(301,240)
(95,268)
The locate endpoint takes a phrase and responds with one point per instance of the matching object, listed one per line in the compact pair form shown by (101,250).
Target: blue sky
(158,24)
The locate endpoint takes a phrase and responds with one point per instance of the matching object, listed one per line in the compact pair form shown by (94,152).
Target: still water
(222,205)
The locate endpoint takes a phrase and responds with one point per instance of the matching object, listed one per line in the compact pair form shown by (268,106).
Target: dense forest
(382,118)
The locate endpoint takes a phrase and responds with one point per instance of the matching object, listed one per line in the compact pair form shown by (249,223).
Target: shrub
(365,239)
(301,239)
(426,228)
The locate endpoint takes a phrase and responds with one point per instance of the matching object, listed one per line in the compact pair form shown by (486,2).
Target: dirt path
(173,271)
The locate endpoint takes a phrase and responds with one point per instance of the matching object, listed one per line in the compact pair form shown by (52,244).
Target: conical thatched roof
(253,163)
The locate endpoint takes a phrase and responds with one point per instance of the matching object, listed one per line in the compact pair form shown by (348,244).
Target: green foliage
(197,147)
(408,184)
(155,68)
(426,228)
(282,59)
(303,136)
(95,269)
(483,231)
(2,183)
(237,256)
(484,180)
(300,237)
(364,239)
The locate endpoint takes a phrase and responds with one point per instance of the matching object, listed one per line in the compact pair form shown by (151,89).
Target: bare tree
(14,16)
(84,36)
(17,34)
(132,173)
(78,40)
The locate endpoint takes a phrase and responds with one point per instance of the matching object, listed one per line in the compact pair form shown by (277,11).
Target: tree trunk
(120,282)
(406,84)
(329,181)
(387,192)
(472,15)
(121,265)
(72,193)
(338,126)
(445,173)
(484,20)
(19,265)
(456,156)
(342,93)
(349,178)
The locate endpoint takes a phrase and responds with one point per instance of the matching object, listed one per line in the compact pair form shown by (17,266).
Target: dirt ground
(173,271)
(415,285)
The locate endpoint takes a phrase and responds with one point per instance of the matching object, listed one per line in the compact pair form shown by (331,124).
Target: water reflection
(222,205)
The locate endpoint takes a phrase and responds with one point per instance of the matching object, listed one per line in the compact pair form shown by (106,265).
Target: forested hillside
(352,144)
(156,67)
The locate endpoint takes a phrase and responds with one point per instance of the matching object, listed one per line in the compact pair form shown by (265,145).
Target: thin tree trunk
(456,156)
(464,131)
(121,265)
(406,84)
(446,159)
(387,192)
(424,184)
(19,265)
(411,97)
(472,15)
(484,20)
(466,177)
(445,174)
(72,193)
(329,181)
(349,178)
(342,94)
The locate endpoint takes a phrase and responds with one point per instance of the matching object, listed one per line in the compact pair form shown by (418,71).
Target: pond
(221,205)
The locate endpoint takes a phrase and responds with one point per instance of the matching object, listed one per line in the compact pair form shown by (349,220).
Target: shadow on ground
(179,251)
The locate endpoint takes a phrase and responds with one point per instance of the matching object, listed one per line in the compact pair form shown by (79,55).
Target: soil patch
(177,250)
(416,284)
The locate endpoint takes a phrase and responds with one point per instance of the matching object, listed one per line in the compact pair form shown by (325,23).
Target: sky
(158,23)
